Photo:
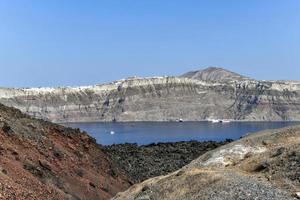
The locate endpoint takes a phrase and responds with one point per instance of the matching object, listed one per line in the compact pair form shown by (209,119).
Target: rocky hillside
(218,94)
(40,161)
(264,165)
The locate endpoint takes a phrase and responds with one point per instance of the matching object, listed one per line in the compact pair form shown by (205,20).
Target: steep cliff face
(161,99)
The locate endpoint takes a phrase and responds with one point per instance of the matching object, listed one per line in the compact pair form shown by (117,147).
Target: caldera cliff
(199,95)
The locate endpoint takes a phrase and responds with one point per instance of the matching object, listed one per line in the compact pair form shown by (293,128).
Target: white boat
(225,121)
(215,121)
(112,132)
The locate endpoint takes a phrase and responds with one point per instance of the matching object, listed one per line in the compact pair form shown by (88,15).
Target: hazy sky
(69,42)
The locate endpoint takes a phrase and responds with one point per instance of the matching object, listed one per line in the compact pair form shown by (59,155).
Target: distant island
(211,93)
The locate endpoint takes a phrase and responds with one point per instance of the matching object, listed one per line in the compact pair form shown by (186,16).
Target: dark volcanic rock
(143,162)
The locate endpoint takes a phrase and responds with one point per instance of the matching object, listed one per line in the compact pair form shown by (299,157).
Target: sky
(70,43)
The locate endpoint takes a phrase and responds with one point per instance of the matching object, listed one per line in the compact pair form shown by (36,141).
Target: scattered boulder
(45,164)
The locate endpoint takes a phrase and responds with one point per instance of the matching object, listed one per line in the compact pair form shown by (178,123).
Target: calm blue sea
(107,133)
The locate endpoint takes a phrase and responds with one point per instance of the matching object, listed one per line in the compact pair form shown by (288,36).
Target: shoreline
(226,140)
(233,121)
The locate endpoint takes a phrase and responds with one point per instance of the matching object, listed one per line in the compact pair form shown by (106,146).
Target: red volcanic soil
(41,160)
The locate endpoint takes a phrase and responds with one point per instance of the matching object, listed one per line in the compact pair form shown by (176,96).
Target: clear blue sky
(69,42)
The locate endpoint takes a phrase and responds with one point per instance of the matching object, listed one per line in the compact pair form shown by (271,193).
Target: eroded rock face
(263,165)
(40,161)
(162,99)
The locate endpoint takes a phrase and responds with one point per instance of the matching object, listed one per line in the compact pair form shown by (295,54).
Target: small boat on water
(219,121)
(225,121)
(112,132)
